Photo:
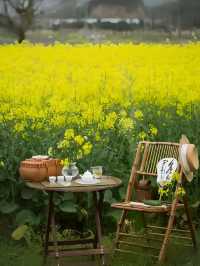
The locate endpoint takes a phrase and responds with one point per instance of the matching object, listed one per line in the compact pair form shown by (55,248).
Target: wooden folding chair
(148,155)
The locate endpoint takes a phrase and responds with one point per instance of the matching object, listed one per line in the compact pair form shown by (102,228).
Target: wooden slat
(154,239)
(158,155)
(148,164)
(137,236)
(133,175)
(80,263)
(141,237)
(145,154)
(173,236)
(172,152)
(136,253)
(72,242)
(151,209)
(133,235)
(160,142)
(83,252)
(152,159)
(164,228)
(137,245)
(145,173)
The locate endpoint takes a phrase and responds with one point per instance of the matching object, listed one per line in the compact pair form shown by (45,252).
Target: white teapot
(87,177)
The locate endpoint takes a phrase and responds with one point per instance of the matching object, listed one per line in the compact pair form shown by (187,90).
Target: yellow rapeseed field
(67,77)
(93,86)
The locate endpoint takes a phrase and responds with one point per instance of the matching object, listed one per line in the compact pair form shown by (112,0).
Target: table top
(106,182)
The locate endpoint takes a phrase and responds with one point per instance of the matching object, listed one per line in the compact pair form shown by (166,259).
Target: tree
(18,15)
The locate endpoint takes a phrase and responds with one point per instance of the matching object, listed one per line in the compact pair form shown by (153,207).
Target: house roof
(116,9)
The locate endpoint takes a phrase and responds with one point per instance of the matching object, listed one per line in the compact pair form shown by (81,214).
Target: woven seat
(148,155)
(137,206)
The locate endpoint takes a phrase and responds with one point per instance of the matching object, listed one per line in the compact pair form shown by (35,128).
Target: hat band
(183,154)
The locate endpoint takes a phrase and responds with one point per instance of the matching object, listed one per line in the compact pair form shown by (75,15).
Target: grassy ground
(18,254)
(98,36)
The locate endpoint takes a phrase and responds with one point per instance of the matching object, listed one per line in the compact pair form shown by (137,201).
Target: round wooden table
(106,182)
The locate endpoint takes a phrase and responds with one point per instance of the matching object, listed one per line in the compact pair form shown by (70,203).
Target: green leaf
(4,193)
(68,196)
(122,193)
(27,193)
(108,195)
(2,178)
(27,216)
(19,232)
(56,200)
(68,206)
(82,214)
(196,204)
(116,214)
(7,208)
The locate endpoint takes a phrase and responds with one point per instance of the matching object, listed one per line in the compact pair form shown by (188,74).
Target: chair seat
(139,206)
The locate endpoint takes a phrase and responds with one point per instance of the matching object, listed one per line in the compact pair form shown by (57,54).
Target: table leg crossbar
(55,248)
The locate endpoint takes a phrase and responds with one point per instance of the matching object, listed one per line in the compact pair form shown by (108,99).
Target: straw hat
(188,156)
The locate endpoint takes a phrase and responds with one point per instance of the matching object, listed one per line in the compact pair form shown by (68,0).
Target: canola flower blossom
(170,188)
(91,90)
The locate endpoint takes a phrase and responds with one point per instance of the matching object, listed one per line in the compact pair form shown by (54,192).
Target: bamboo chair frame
(147,156)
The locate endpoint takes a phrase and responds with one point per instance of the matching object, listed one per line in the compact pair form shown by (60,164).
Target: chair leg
(165,243)
(189,220)
(146,233)
(120,226)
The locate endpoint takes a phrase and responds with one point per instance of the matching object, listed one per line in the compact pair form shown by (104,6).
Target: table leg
(51,227)
(55,242)
(48,227)
(97,204)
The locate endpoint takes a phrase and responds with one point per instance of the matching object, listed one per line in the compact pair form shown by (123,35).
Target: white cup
(68,178)
(60,179)
(52,179)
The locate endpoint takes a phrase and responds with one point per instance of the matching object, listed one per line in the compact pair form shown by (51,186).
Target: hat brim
(184,140)
(188,174)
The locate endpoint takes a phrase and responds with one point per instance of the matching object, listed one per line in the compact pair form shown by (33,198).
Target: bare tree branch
(25,11)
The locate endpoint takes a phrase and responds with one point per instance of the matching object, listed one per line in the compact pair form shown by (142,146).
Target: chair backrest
(148,154)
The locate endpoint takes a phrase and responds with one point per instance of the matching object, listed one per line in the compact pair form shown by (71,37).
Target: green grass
(19,254)
(86,35)
(14,254)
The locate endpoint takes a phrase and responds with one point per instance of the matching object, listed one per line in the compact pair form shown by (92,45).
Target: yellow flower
(69,134)
(176,176)
(87,148)
(110,120)
(50,151)
(79,139)
(65,162)
(180,191)
(79,154)
(142,135)
(126,124)
(153,130)
(138,115)
(97,136)
(19,127)
(63,144)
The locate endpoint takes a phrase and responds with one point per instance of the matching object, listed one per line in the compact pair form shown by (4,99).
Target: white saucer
(64,183)
(79,181)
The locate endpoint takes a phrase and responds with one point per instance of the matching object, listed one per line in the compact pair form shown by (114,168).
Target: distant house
(116,9)
(164,13)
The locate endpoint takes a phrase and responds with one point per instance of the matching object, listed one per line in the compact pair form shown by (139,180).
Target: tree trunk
(21,35)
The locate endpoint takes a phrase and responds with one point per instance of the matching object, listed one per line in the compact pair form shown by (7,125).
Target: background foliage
(91,104)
